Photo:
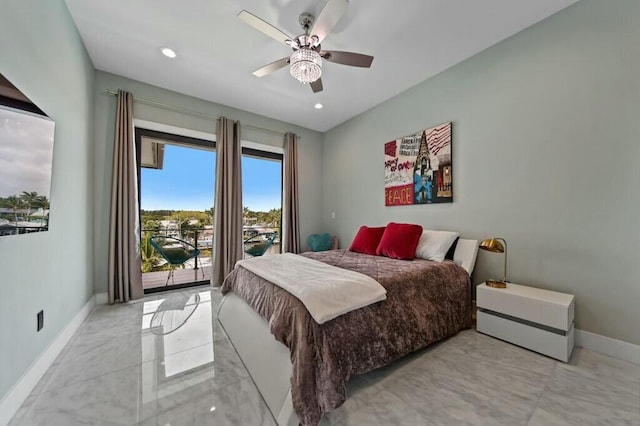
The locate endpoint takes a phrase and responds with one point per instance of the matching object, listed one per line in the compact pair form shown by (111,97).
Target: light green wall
(310,150)
(545,154)
(42,54)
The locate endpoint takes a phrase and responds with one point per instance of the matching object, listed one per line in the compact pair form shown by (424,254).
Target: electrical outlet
(40,317)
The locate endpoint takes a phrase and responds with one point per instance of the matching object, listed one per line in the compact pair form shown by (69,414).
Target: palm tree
(274,217)
(188,229)
(43,201)
(14,203)
(29,199)
(150,257)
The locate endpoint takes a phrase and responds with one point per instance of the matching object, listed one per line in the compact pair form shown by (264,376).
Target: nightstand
(536,319)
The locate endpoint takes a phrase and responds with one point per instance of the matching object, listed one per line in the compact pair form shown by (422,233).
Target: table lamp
(495,245)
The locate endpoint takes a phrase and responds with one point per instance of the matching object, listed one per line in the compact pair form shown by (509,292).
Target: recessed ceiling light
(318,106)
(169,53)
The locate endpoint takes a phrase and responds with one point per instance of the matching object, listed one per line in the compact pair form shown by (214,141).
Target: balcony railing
(16,228)
(197,270)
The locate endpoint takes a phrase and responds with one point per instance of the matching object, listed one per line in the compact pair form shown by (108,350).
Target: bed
(303,371)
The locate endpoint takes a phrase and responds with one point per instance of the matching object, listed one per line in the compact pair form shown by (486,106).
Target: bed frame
(270,366)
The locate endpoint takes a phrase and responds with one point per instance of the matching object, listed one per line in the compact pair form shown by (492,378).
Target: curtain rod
(192,112)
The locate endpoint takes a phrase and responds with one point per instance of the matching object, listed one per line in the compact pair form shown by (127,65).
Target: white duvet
(325,290)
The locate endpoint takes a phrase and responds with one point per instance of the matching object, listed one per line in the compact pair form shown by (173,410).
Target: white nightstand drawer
(548,308)
(536,319)
(545,342)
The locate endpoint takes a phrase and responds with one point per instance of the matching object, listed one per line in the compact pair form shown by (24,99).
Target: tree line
(24,203)
(272,218)
(150,218)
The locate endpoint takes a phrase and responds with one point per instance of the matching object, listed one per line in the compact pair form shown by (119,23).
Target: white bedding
(325,290)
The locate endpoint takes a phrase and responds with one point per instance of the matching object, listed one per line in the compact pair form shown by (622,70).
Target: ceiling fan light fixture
(306,65)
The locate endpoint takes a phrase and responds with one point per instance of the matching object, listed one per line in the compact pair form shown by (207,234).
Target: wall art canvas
(26,154)
(417,168)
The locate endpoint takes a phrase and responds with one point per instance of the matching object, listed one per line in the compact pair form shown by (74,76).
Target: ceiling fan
(306,59)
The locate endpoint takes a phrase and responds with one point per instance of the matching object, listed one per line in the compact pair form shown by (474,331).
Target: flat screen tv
(26,155)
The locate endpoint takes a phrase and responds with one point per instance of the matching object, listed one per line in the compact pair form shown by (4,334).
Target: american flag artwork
(417,168)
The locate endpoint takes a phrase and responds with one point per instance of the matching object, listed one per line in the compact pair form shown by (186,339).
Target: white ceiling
(411,41)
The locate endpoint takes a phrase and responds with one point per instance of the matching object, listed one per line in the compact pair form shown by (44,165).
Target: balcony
(156,280)
(197,270)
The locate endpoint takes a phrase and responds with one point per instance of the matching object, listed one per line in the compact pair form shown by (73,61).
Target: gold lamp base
(496,284)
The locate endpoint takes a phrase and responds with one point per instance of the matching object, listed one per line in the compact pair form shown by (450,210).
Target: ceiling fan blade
(347,58)
(263,26)
(316,86)
(328,18)
(273,66)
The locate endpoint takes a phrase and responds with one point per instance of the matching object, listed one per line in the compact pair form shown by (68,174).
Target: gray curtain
(227,227)
(291,220)
(125,275)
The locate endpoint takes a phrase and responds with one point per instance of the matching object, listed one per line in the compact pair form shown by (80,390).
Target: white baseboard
(12,401)
(608,346)
(102,298)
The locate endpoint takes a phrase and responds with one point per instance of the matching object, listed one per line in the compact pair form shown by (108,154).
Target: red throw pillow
(366,240)
(399,241)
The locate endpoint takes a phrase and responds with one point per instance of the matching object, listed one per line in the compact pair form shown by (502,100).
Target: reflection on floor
(165,361)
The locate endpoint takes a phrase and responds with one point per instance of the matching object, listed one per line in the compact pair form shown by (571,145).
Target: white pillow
(434,245)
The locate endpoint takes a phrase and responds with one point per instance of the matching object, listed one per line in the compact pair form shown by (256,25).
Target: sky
(187,182)
(26,149)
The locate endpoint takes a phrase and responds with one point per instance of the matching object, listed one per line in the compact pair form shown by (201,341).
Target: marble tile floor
(164,361)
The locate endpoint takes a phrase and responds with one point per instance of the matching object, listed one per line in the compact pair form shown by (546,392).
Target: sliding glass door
(177,182)
(262,201)
(176,197)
